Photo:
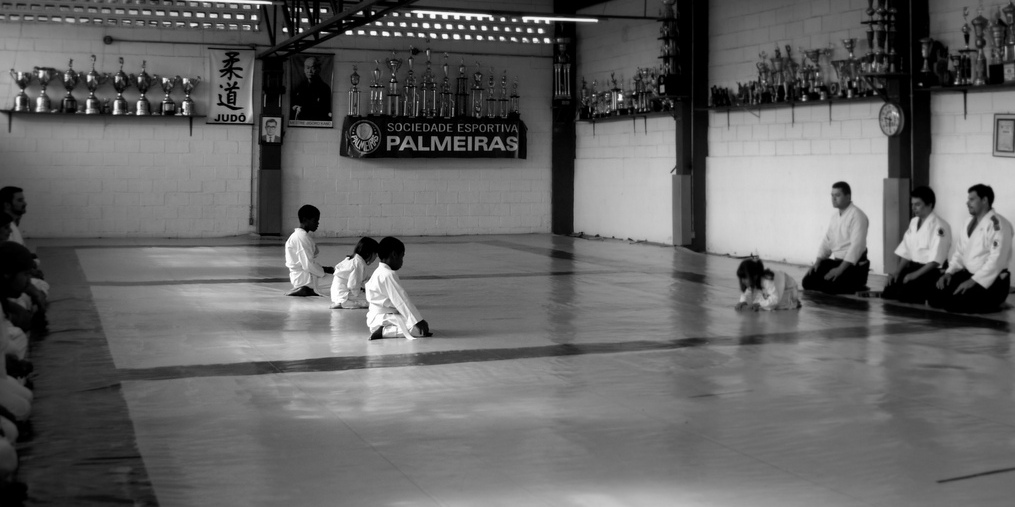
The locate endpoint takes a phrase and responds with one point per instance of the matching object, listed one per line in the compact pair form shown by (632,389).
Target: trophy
(70,80)
(143,82)
(967,53)
(515,99)
(410,90)
(376,92)
(188,84)
(447,102)
(354,93)
(491,99)
(394,106)
(22,104)
(957,64)
(927,76)
(561,70)
(429,89)
(121,81)
(44,75)
(614,92)
(996,73)
(93,80)
(1009,21)
(979,28)
(461,90)
(168,106)
(476,105)
(503,101)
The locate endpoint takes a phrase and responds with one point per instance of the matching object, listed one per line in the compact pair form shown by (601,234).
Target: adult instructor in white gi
(841,266)
(977,279)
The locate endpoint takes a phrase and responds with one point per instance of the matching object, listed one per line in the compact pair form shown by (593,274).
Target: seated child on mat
(301,254)
(347,286)
(764,289)
(391,312)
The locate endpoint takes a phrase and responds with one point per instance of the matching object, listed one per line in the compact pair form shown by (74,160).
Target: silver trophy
(446,109)
(188,84)
(143,82)
(93,80)
(168,106)
(376,92)
(410,90)
(70,80)
(121,81)
(22,104)
(354,93)
(476,104)
(394,99)
(44,75)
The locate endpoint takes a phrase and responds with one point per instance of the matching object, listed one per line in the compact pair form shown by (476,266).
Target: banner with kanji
(231,94)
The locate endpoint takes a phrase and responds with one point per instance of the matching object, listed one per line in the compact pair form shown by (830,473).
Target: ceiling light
(451,13)
(560,18)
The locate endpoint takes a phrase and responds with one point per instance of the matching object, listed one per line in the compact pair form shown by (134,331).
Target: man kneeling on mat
(391,312)
(922,253)
(842,265)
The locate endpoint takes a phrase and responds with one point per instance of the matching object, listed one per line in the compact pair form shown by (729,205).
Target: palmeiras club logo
(364,138)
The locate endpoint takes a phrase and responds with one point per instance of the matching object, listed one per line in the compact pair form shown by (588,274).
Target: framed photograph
(1004,135)
(310,85)
(271,130)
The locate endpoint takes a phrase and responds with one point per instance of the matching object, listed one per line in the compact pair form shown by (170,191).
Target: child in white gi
(301,254)
(391,312)
(347,286)
(764,289)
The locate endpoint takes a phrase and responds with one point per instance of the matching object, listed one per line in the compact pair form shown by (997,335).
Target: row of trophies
(970,66)
(426,99)
(642,96)
(93,80)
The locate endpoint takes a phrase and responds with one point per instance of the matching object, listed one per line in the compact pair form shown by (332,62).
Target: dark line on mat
(981,474)
(727,393)
(213,281)
(83,451)
(437,358)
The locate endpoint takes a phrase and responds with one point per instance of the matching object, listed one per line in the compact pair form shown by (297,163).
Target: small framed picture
(271,130)
(1004,135)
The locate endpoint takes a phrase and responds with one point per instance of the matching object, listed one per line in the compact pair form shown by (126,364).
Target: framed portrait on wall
(1004,135)
(271,130)
(310,82)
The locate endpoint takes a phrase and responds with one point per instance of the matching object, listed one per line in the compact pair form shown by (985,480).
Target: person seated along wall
(301,254)
(765,290)
(922,252)
(391,311)
(977,279)
(842,265)
(16,263)
(347,286)
(34,299)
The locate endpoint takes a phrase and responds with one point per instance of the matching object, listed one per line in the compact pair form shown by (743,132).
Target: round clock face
(891,119)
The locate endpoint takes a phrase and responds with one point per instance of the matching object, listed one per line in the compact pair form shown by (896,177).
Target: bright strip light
(449,13)
(554,18)
(251,2)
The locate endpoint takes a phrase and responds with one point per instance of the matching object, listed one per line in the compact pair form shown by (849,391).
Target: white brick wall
(105,176)
(769,176)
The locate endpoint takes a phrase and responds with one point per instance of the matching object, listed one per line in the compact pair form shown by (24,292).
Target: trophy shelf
(966,89)
(12,113)
(756,109)
(625,117)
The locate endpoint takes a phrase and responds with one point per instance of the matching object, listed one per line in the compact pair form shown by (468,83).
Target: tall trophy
(70,80)
(515,99)
(394,106)
(461,90)
(980,65)
(1009,42)
(503,101)
(93,80)
(429,89)
(996,66)
(354,93)
(143,81)
(491,97)
(121,81)
(188,84)
(476,104)
(168,106)
(22,104)
(410,90)
(376,92)
(447,100)
(44,75)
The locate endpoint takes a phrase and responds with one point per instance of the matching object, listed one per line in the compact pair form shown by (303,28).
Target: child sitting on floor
(347,286)
(391,312)
(301,254)
(764,289)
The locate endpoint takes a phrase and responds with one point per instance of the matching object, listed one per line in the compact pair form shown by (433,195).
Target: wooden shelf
(12,113)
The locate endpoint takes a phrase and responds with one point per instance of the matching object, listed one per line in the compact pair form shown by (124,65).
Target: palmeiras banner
(394,137)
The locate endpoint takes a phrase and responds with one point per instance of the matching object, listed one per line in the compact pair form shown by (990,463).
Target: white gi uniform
(16,235)
(846,238)
(925,243)
(301,259)
(390,306)
(13,396)
(779,293)
(985,253)
(347,286)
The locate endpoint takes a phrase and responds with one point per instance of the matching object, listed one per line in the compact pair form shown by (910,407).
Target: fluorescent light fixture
(251,2)
(568,19)
(451,13)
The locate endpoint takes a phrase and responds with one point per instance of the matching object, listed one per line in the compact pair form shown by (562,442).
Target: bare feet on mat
(302,292)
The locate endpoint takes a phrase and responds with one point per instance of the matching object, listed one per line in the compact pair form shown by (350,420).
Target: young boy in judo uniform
(391,311)
(347,286)
(301,254)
